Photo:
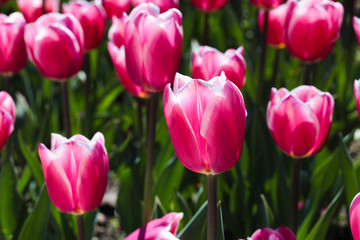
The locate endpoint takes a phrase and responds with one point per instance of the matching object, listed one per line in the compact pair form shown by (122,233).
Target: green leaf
(192,230)
(35,226)
(220,222)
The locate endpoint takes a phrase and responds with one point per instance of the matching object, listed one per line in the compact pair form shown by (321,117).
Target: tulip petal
(7,126)
(354,216)
(286,233)
(57,140)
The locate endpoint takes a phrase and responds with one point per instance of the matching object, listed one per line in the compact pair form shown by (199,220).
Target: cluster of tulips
(205,113)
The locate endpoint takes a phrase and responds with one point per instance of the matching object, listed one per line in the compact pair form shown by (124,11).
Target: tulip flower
(164,5)
(357,95)
(12,46)
(300,120)
(356,26)
(7,117)
(276,21)
(116,7)
(164,228)
(266,4)
(92,17)
(208,62)
(281,233)
(75,172)
(117,53)
(33,9)
(209,5)
(55,44)
(312,27)
(206,121)
(354,216)
(153,43)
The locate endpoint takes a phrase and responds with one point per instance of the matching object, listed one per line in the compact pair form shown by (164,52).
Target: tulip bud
(75,172)
(116,8)
(12,46)
(356,26)
(300,120)
(55,44)
(7,119)
(357,95)
(266,4)
(206,122)
(354,216)
(312,27)
(164,228)
(92,18)
(209,5)
(208,62)
(281,233)
(33,9)
(164,5)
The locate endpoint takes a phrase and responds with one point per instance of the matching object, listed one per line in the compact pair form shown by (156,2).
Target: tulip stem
(307,73)
(43,7)
(211,209)
(152,110)
(139,108)
(295,194)
(66,108)
(275,67)
(80,227)
(88,103)
(262,60)
(7,79)
(206,29)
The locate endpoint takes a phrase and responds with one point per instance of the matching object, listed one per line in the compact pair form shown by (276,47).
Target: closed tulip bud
(300,120)
(75,172)
(354,215)
(153,43)
(281,233)
(92,18)
(116,8)
(209,5)
(7,117)
(208,62)
(164,228)
(164,5)
(276,21)
(33,9)
(356,26)
(312,27)
(206,122)
(266,4)
(55,44)
(357,95)
(117,53)
(12,46)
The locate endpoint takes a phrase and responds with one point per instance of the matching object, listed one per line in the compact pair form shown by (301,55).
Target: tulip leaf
(220,223)
(35,226)
(268,214)
(192,230)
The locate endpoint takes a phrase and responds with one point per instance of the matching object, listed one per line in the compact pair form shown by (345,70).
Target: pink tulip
(266,4)
(75,172)
(33,9)
(12,46)
(55,44)
(206,122)
(356,26)
(276,21)
(164,228)
(92,17)
(116,7)
(117,53)
(153,43)
(357,95)
(312,27)
(164,5)
(209,5)
(300,120)
(354,215)
(7,117)
(281,233)
(208,62)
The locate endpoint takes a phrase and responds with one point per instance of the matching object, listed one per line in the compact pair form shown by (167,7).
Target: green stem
(295,190)
(206,29)
(150,159)
(275,67)
(139,109)
(66,108)
(307,73)
(80,227)
(88,103)
(211,209)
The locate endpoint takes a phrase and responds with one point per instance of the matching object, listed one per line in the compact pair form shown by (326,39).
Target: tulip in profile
(354,215)
(276,21)
(356,26)
(153,43)
(312,27)
(12,46)
(357,95)
(33,9)
(164,5)
(209,5)
(55,44)
(75,172)
(208,62)
(266,4)
(164,228)
(206,121)
(281,233)
(92,18)
(117,53)
(300,120)
(7,117)
(116,7)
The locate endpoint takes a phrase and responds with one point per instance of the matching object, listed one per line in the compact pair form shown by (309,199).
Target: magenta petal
(286,233)
(354,216)
(57,140)
(6,127)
